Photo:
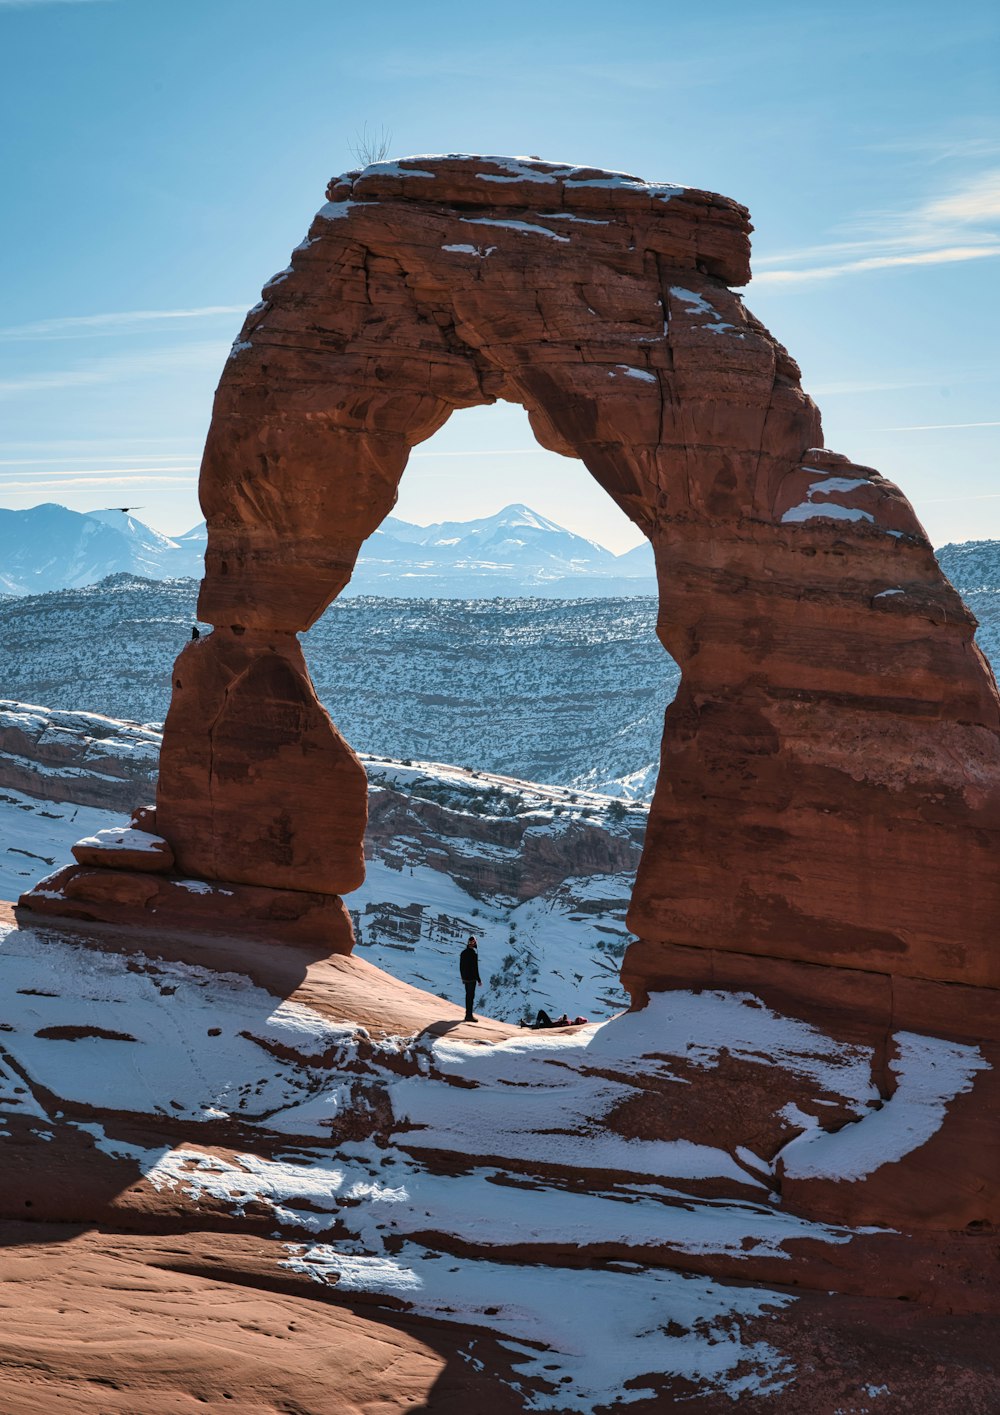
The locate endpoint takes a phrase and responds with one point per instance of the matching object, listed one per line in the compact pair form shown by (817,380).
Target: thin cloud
(932,427)
(61,462)
(86,325)
(33,4)
(121,479)
(121,369)
(947,256)
(976,203)
(958,226)
(76,445)
(70,474)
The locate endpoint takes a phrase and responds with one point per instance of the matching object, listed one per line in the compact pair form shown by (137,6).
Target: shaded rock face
(831,782)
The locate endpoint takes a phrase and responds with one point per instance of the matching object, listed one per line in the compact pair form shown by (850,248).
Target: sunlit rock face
(800,1112)
(830,791)
(831,782)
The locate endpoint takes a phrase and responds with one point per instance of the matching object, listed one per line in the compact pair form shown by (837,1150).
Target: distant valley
(567,692)
(570,692)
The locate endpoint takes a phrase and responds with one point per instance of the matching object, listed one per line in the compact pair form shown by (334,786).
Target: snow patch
(631,372)
(697,304)
(481,252)
(930,1073)
(587,1343)
(126,839)
(393,169)
(527,226)
(806,511)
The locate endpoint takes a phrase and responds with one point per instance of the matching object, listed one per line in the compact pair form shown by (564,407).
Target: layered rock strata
(836,728)
(76,756)
(830,791)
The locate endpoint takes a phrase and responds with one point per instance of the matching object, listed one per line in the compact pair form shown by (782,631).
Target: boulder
(126,849)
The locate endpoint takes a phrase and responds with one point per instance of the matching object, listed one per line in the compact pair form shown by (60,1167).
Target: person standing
(468,966)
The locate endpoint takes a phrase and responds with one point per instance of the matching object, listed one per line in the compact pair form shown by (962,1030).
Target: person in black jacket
(468,966)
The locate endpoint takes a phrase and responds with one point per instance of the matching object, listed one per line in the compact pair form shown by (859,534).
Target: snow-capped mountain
(515,552)
(49,547)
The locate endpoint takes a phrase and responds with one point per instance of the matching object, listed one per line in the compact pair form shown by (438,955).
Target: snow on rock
(643,374)
(806,511)
(531,227)
(167,1039)
(586,1344)
(930,1073)
(469,250)
(126,839)
(379,1209)
(394,169)
(574,1080)
(125,848)
(828,486)
(698,304)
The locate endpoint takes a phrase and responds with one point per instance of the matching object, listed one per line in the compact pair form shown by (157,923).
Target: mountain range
(515,552)
(49,547)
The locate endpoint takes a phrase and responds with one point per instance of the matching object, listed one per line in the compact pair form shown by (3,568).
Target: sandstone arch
(831,782)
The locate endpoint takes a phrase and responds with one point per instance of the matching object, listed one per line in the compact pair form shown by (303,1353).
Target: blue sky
(162,157)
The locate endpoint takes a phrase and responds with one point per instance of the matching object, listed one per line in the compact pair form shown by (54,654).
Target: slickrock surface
(831,788)
(217,1186)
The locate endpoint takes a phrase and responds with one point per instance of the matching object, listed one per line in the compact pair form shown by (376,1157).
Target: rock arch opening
(817,754)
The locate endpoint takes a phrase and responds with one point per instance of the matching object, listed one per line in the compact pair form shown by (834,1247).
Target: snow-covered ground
(36,836)
(482,1187)
(92,1040)
(560,949)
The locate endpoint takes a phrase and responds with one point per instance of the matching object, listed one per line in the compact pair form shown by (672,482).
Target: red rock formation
(830,792)
(76,756)
(836,729)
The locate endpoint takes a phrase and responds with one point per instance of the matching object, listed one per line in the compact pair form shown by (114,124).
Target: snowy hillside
(565,691)
(542,875)
(974,570)
(571,692)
